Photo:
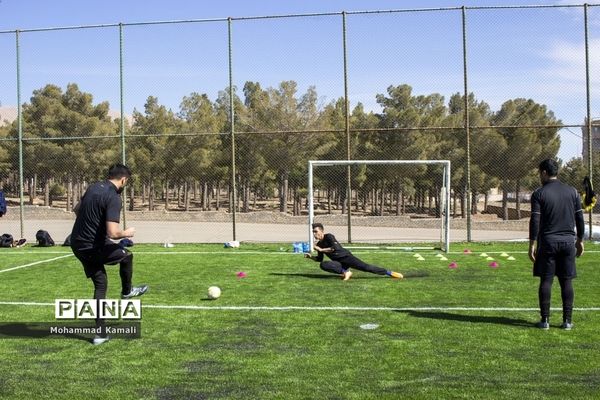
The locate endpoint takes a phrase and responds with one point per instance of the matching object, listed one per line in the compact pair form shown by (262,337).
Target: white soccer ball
(214,292)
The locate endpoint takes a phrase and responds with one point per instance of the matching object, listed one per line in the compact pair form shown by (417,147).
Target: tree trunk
(328,200)
(295,201)
(70,194)
(398,197)
(403,203)
(518,200)
(429,200)
(454,204)
(373,201)
(166,194)
(31,191)
(132,198)
(485,201)
(210,194)
(382,200)
(504,203)
(186,196)
(201,190)
(437,199)
(151,195)
(179,196)
(144,189)
(76,190)
(230,198)
(218,199)
(47,192)
(283,192)
(246,198)
(365,200)
(474,202)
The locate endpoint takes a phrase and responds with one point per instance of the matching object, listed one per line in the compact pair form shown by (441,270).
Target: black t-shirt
(99,204)
(330,241)
(555,213)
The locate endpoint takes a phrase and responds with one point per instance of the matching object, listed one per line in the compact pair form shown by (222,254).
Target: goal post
(424,179)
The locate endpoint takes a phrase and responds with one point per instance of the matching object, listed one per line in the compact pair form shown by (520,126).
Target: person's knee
(129,258)
(323,266)
(100,284)
(99,279)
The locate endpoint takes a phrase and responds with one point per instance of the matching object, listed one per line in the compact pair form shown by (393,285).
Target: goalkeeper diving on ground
(341,259)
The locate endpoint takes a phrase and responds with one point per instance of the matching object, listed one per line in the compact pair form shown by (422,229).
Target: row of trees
(184,157)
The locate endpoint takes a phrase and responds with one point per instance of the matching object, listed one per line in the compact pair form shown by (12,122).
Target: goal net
(390,202)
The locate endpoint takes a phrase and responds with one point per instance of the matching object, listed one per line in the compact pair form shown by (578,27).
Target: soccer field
(291,331)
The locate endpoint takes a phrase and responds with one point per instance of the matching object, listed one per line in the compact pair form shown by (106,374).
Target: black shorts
(95,259)
(555,259)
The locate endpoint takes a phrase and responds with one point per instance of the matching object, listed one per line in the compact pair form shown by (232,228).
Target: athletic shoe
(100,339)
(346,275)
(567,325)
(20,242)
(543,324)
(396,275)
(135,291)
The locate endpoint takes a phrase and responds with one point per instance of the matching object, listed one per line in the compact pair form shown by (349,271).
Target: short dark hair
(118,171)
(550,166)
(318,225)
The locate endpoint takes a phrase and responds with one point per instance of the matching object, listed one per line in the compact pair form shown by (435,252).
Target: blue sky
(534,53)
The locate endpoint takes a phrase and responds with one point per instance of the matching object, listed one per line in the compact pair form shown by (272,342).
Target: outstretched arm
(318,257)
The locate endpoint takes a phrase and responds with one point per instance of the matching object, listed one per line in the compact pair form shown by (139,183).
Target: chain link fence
(219,118)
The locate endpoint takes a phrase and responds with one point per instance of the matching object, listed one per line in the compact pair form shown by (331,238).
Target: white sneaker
(100,339)
(135,291)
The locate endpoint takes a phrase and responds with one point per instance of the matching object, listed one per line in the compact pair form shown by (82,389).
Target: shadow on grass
(35,330)
(321,276)
(476,319)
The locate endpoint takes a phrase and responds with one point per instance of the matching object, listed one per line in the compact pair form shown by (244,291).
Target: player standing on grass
(341,259)
(97,222)
(555,212)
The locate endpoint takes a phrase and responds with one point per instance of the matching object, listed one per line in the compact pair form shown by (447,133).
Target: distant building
(595,137)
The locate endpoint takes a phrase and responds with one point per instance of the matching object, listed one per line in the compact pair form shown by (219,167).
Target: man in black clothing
(98,215)
(555,213)
(341,259)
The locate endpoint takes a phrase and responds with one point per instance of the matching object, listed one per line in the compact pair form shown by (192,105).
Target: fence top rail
(329,163)
(297,132)
(282,16)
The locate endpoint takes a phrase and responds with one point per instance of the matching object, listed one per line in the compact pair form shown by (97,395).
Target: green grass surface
(306,354)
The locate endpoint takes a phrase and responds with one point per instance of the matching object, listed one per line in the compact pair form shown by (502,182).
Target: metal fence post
(587,99)
(122,124)
(232,131)
(467,128)
(20,130)
(347,128)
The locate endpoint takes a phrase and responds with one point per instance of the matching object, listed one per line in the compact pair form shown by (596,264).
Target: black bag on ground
(43,239)
(6,240)
(67,241)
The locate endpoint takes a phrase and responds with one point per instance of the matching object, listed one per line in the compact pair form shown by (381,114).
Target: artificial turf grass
(309,354)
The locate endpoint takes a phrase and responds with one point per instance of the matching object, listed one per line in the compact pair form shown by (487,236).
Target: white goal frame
(445,190)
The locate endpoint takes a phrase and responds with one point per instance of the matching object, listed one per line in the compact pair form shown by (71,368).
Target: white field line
(35,263)
(275,253)
(316,308)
